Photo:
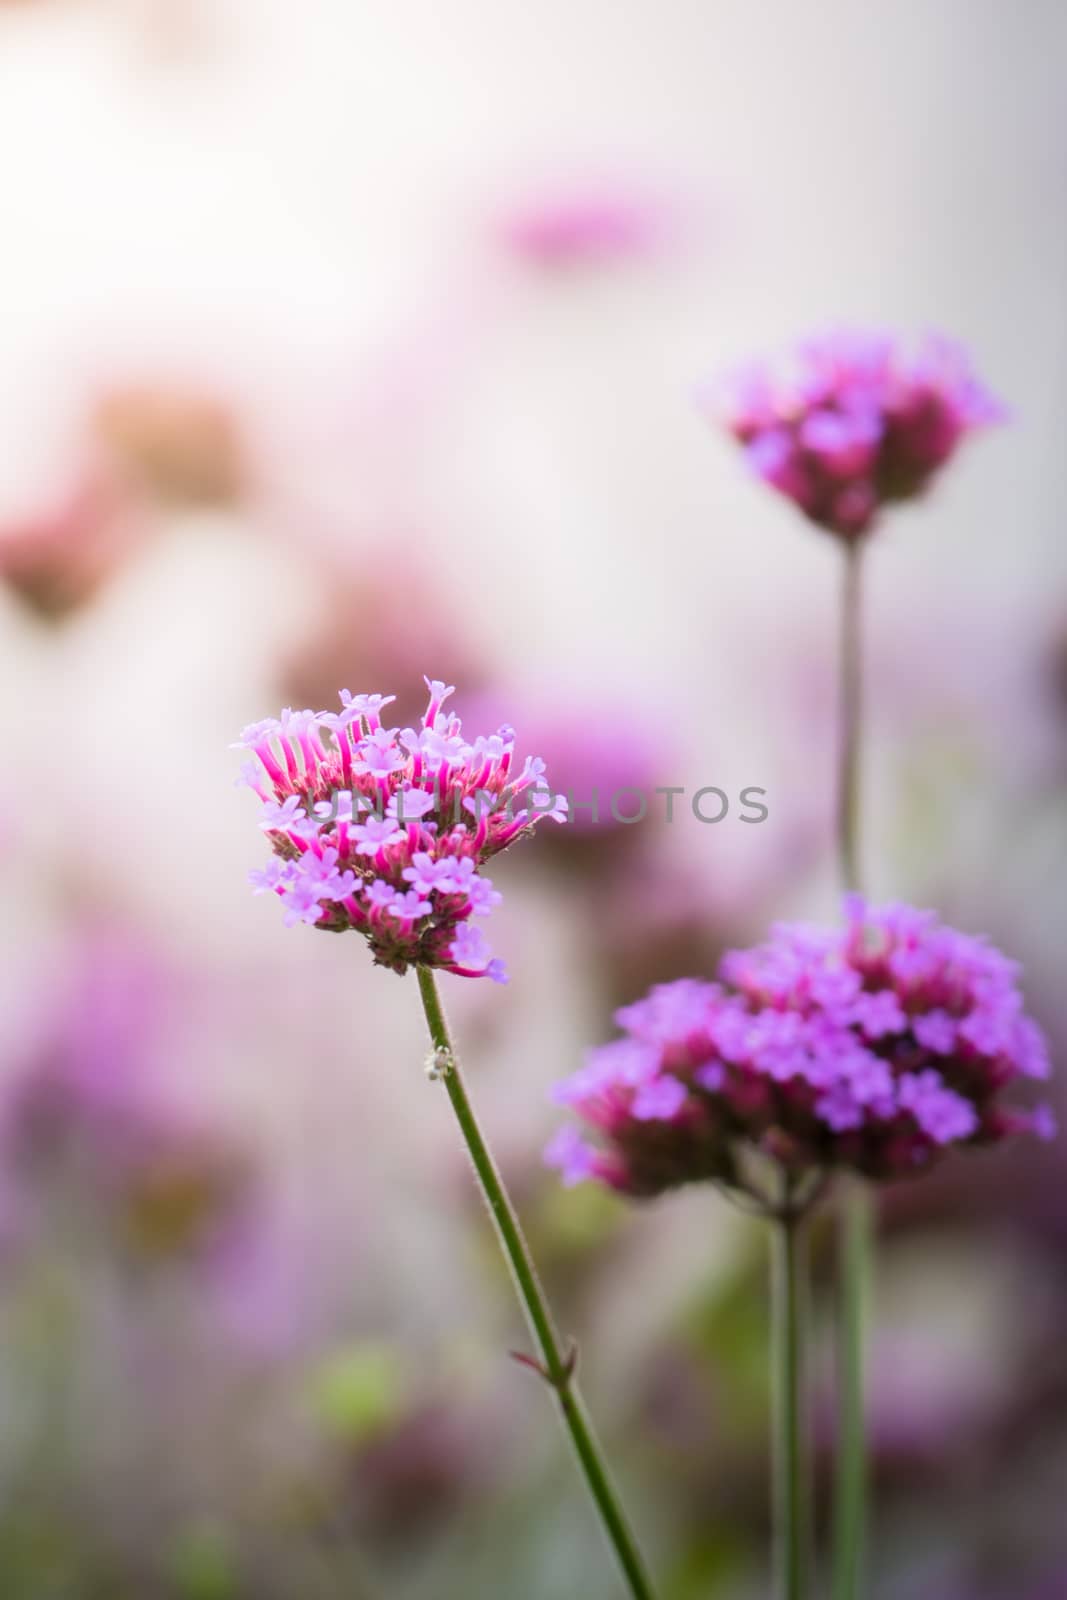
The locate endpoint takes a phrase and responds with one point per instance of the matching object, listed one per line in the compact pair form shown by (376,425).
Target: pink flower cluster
(384,829)
(586,226)
(874,1046)
(851,423)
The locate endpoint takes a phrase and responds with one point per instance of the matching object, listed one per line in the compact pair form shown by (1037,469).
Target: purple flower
(850,423)
(272,878)
(469,947)
(377,833)
(410,907)
(592,225)
(878,1014)
(409,804)
(283,816)
(873,1046)
(379,754)
(659,1101)
(936,1031)
(380,895)
(256,733)
(1043,1123)
(430,875)
(302,902)
(558,807)
(711,1076)
(939,1112)
(366,706)
(573,1157)
(384,830)
(481,895)
(322,871)
(839,1109)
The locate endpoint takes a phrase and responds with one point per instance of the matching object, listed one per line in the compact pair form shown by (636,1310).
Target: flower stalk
(855,1219)
(850,710)
(849,425)
(792,1471)
(856,1235)
(556,1365)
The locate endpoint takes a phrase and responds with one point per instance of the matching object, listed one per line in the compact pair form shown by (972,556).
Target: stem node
(559,1380)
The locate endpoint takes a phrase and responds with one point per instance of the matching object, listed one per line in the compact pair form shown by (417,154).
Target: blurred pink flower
(607,762)
(850,423)
(142,444)
(379,618)
(924,1392)
(875,1046)
(596,758)
(57,556)
(87,1116)
(576,226)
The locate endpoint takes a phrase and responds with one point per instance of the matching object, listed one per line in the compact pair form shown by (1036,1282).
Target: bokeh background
(341,343)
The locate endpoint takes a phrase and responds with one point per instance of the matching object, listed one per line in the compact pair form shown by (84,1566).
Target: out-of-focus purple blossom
(875,1046)
(850,422)
(86,1117)
(379,615)
(590,225)
(57,556)
(924,1392)
(433,808)
(608,767)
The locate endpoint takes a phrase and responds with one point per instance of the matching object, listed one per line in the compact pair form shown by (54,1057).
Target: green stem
(855,1222)
(792,1477)
(556,1367)
(850,704)
(856,1244)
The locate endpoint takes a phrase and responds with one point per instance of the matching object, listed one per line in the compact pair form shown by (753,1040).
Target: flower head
(594,224)
(385,830)
(851,423)
(874,1046)
(58,555)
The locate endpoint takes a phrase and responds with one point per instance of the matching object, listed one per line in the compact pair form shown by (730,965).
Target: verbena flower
(385,829)
(850,422)
(875,1046)
(595,224)
(56,557)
